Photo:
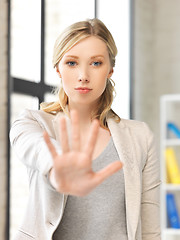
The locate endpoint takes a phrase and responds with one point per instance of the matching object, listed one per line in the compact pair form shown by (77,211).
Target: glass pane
(60,14)
(48,97)
(117,21)
(25,39)
(18,178)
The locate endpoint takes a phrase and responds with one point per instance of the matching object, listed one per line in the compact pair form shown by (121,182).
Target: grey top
(101,214)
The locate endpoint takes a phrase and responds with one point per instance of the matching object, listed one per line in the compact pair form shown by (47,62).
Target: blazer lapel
(124,145)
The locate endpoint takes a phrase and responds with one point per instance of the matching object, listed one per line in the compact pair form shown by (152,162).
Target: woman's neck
(84,114)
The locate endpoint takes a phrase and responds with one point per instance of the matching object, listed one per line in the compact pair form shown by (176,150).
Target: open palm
(72,170)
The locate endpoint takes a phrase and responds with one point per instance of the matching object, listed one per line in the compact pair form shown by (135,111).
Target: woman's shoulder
(114,119)
(133,123)
(39,114)
(40,117)
(136,127)
(130,123)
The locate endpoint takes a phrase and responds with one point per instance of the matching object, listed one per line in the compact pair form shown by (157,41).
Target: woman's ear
(110,73)
(58,72)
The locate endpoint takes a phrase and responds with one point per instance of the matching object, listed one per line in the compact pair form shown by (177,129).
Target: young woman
(91,174)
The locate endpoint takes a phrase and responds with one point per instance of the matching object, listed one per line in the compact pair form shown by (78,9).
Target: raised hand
(72,170)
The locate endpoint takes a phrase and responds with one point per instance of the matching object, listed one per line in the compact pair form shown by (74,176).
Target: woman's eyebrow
(76,57)
(71,56)
(96,56)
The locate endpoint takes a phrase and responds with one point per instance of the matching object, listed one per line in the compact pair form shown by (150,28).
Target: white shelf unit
(169,112)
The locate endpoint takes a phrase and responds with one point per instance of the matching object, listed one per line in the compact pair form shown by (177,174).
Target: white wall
(156,57)
(156,68)
(3,114)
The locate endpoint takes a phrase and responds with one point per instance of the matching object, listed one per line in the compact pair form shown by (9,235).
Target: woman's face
(84,70)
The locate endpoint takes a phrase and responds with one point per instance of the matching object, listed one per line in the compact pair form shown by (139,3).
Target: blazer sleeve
(150,212)
(26,137)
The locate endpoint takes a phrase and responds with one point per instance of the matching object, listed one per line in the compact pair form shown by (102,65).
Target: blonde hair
(71,36)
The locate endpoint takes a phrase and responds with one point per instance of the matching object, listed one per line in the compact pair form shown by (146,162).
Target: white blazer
(135,146)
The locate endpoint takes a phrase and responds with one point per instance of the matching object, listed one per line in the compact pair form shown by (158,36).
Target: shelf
(171,231)
(171,98)
(171,187)
(169,112)
(171,142)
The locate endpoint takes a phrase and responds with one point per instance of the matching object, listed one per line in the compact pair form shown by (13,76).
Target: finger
(75,130)
(91,142)
(64,135)
(50,145)
(107,172)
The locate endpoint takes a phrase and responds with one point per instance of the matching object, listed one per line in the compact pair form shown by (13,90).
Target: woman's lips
(83,89)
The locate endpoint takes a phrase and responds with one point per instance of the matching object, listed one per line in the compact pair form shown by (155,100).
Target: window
(115,14)
(34,27)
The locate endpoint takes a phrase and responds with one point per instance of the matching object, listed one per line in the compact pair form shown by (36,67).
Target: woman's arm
(26,137)
(150,192)
(70,171)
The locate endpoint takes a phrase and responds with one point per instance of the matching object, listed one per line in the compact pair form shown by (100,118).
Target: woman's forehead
(92,46)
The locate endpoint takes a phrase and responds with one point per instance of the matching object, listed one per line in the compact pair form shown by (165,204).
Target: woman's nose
(83,75)
(83,80)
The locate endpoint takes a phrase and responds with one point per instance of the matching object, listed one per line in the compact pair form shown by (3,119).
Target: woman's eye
(96,63)
(71,63)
